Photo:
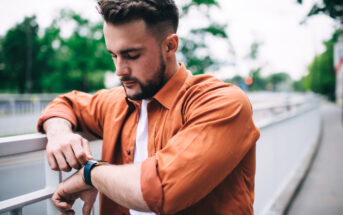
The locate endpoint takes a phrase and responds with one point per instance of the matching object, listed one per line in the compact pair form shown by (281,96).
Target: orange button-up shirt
(201,143)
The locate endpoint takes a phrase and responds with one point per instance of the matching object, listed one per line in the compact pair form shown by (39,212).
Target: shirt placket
(128,136)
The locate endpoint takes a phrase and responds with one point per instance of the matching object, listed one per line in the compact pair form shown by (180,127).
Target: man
(174,143)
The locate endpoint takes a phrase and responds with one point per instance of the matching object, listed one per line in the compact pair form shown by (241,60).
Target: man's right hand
(65,149)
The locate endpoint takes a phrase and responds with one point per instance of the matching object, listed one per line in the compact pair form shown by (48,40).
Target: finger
(80,152)
(63,206)
(61,161)
(68,212)
(52,160)
(71,158)
(87,208)
(85,145)
(60,204)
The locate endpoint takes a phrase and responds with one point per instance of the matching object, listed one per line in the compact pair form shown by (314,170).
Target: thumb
(85,145)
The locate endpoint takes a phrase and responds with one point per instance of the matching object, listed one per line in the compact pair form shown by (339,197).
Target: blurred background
(286,54)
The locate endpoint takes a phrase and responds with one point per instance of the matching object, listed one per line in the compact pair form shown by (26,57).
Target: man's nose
(122,68)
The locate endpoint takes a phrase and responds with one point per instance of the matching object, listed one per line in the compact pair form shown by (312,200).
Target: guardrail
(285,151)
(21,145)
(16,148)
(16,104)
(17,145)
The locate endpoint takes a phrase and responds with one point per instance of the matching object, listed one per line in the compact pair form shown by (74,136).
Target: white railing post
(52,180)
(12,104)
(17,211)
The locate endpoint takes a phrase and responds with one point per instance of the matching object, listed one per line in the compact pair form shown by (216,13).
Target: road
(322,190)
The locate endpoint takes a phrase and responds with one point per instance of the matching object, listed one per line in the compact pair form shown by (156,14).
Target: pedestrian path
(322,190)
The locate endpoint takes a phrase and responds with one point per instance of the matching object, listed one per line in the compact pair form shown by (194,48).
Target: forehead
(133,34)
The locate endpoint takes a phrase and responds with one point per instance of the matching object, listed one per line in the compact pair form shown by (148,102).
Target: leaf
(215,30)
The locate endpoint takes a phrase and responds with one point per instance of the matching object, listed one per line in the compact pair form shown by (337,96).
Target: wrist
(56,126)
(88,168)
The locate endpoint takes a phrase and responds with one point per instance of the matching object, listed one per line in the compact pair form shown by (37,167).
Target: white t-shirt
(141,146)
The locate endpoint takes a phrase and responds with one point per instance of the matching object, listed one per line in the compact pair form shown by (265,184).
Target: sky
(286,46)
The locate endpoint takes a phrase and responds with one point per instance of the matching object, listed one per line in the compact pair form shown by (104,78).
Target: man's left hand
(70,190)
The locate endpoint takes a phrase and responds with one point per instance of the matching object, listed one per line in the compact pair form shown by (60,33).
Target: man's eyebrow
(125,51)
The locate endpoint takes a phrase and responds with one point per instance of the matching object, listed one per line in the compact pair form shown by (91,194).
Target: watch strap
(88,167)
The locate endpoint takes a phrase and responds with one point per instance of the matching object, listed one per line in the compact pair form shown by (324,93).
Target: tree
(55,63)
(80,59)
(321,77)
(20,48)
(195,52)
(299,85)
(332,8)
(278,78)
(259,83)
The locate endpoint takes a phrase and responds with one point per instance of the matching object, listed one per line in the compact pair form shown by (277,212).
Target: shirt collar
(167,94)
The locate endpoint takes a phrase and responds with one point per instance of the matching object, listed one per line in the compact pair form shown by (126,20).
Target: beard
(152,85)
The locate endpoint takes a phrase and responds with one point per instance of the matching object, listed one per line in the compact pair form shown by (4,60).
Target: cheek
(147,67)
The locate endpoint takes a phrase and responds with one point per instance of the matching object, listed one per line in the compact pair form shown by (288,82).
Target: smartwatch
(88,167)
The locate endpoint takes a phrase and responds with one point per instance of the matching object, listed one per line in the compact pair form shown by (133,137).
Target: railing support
(52,178)
(17,211)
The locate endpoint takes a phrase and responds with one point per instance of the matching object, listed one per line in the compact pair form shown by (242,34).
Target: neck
(171,68)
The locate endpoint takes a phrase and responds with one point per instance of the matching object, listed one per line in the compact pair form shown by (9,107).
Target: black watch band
(88,167)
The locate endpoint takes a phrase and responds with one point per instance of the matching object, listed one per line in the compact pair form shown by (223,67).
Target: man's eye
(133,57)
(114,56)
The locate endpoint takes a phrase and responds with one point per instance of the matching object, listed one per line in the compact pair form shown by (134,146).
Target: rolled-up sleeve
(79,108)
(217,133)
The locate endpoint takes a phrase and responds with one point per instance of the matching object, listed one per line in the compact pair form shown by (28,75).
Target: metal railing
(11,146)
(23,144)
(18,104)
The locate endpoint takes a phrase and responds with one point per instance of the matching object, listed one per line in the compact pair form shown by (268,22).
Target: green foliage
(198,3)
(332,8)
(259,83)
(20,49)
(278,78)
(299,85)
(237,79)
(277,82)
(254,50)
(194,50)
(52,63)
(214,29)
(321,78)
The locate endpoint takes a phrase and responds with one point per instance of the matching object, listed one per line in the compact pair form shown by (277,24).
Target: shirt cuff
(55,113)
(151,185)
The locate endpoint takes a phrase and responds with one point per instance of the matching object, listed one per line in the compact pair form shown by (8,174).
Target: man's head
(160,16)
(140,35)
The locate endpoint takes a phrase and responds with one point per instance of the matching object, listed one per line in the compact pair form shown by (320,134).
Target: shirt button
(128,152)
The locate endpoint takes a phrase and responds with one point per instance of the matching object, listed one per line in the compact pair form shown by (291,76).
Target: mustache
(126,78)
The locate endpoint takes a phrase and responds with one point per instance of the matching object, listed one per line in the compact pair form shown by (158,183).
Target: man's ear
(171,44)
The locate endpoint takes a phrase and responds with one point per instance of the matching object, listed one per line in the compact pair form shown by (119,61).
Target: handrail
(52,178)
(309,105)
(26,199)
(22,144)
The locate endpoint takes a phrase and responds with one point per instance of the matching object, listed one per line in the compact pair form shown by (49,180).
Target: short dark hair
(159,15)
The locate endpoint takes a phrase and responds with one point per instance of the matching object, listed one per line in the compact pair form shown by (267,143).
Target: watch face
(93,161)
(98,162)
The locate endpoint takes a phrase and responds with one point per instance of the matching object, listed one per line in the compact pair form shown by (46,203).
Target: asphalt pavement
(322,190)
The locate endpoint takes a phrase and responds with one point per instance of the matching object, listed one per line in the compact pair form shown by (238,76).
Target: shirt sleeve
(81,109)
(217,134)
